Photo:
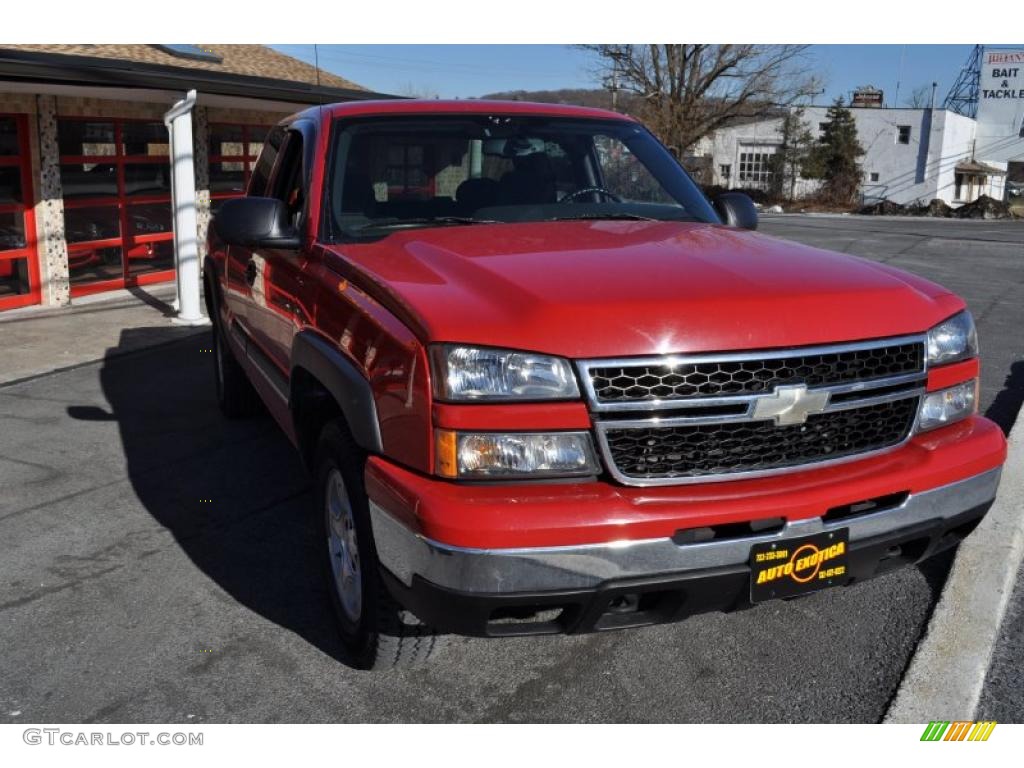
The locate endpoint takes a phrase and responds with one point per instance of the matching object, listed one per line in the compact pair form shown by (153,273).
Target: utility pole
(899,78)
(612,84)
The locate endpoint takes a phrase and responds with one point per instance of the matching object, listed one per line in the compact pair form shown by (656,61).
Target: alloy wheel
(342,547)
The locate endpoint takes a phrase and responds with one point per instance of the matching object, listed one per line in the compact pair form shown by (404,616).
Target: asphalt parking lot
(155,566)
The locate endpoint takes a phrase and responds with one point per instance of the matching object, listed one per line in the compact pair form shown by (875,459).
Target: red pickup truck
(544,385)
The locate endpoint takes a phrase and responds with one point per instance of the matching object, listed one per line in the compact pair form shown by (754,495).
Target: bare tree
(688,91)
(413,90)
(919,98)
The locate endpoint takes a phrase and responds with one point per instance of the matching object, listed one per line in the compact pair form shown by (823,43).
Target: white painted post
(183,194)
(176,304)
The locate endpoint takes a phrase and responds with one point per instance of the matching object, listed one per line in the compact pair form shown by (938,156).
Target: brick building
(84,154)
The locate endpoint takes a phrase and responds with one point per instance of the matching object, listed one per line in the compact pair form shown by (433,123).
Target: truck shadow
(233,494)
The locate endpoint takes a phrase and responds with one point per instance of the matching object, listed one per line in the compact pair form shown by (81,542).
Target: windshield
(418,171)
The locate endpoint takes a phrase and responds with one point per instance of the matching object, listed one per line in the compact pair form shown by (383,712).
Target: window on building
(902,134)
(408,172)
(755,168)
(116,181)
(873,176)
(19,265)
(725,171)
(233,152)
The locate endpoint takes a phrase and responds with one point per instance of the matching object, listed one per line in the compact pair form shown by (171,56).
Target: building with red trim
(84,154)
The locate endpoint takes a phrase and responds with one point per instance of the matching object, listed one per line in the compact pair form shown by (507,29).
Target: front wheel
(235,394)
(376,631)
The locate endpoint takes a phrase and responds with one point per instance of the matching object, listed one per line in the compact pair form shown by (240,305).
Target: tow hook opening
(634,609)
(903,553)
(866,506)
(526,619)
(727,531)
(624,604)
(894,551)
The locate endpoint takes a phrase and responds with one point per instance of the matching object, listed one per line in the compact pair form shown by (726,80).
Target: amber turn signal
(445,451)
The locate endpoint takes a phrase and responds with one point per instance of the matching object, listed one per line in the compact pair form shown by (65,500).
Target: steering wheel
(571,196)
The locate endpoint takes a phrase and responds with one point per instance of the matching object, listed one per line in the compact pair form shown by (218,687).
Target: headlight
(948,405)
(472,373)
(487,455)
(952,340)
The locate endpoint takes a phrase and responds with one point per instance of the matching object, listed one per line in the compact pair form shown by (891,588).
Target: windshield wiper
(441,221)
(622,216)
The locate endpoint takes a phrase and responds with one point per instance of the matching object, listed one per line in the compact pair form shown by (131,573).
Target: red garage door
(19,264)
(232,157)
(116,181)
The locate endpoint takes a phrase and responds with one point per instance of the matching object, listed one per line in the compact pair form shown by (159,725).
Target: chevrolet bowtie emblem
(790,405)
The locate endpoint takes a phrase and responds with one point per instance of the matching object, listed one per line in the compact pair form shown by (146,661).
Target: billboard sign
(1001,105)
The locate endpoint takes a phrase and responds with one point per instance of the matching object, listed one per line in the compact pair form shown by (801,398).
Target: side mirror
(256,222)
(736,209)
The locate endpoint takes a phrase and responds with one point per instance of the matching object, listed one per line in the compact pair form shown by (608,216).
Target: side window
(265,165)
(288,181)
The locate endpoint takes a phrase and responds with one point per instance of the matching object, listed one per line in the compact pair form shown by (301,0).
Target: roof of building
(249,60)
(768,113)
(978,168)
(251,70)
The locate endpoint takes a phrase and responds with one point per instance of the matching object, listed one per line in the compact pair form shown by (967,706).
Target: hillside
(584,97)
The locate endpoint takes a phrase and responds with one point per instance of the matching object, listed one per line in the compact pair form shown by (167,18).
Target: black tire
(235,394)
(381,634)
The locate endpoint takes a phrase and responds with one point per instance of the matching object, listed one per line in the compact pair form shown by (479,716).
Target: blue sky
(472,70)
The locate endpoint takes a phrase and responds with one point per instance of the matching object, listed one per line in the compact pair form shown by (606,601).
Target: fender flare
(345,383)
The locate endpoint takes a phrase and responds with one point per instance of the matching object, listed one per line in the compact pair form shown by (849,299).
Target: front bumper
(587,587)
(574,512)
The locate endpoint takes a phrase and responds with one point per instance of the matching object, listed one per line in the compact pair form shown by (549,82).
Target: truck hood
(602,288)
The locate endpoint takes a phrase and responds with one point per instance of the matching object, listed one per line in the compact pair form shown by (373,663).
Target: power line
(418,65)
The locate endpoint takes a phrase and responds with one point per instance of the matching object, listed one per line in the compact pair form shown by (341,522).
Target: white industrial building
(911,155)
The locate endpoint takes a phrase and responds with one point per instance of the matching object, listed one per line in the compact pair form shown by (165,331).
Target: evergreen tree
(834,158)
(792,154)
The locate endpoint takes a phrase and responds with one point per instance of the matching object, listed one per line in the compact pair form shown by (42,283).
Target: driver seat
(530,182)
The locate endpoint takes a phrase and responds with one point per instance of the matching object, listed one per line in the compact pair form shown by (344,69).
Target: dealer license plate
(795,567)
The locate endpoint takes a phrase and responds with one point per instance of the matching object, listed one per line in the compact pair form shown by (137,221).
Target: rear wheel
(376,631)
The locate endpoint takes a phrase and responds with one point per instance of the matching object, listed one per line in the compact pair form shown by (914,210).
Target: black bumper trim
(633,602)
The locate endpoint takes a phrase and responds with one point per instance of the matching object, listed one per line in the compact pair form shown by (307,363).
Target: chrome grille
(679,419)
(667,380)
(716,449)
